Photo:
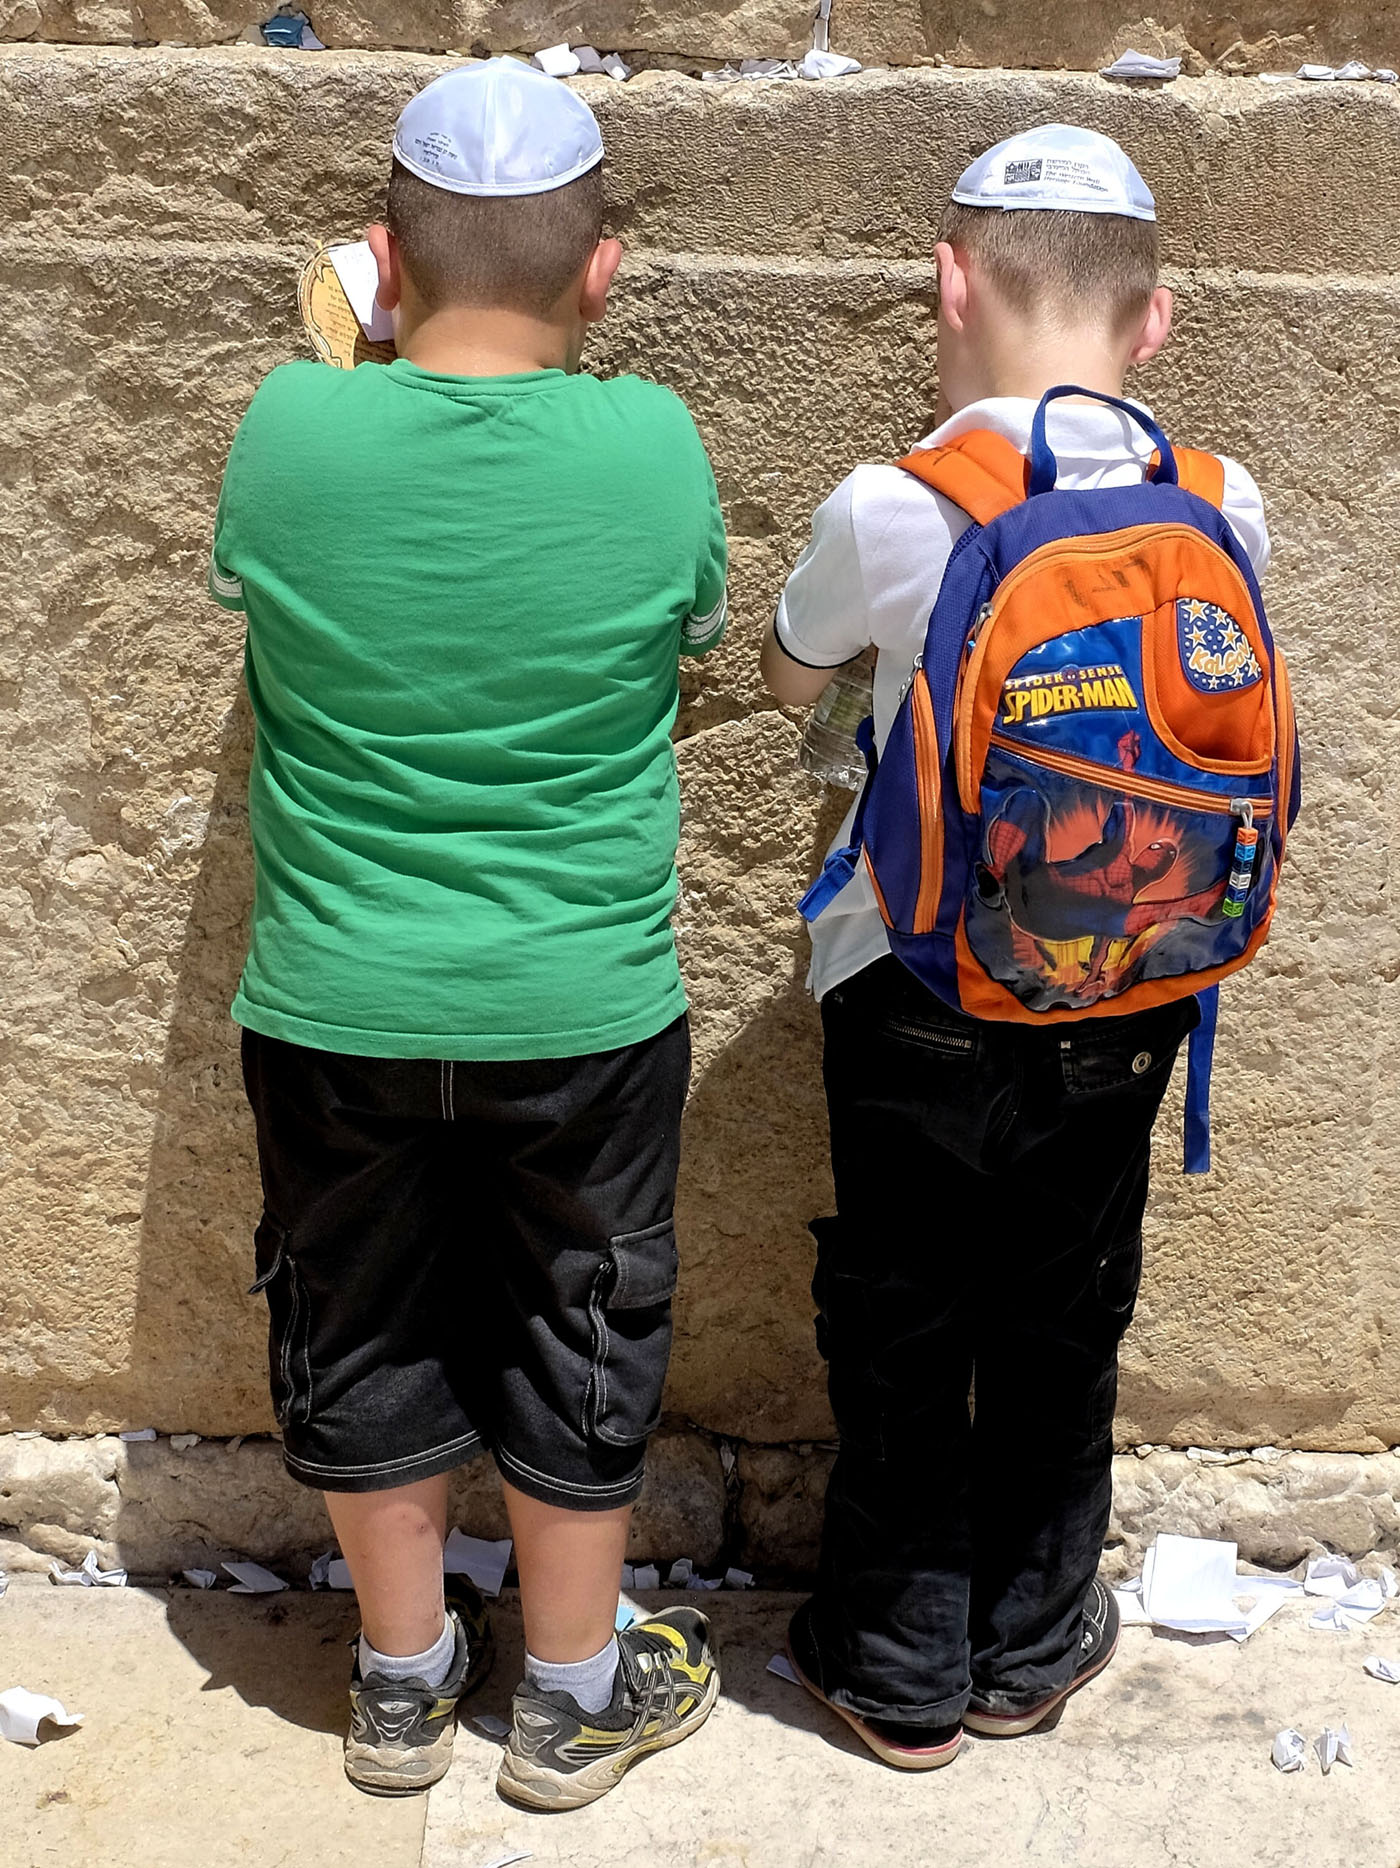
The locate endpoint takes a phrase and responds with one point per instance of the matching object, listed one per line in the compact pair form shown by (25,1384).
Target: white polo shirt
(872,571)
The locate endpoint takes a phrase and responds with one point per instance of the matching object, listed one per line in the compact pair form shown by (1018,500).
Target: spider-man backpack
(1082,805)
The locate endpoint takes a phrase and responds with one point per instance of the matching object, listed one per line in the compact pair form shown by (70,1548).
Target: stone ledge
(238,145)
(157,1510)
(1278,1507)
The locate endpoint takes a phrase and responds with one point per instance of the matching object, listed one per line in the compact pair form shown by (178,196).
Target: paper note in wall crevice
(358,273)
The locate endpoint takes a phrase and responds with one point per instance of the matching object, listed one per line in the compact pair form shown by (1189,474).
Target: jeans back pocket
(629,1312)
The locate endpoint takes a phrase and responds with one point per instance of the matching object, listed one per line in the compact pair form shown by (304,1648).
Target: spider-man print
(1097,899)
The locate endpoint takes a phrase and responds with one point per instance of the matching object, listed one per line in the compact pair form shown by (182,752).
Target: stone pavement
(213,1727)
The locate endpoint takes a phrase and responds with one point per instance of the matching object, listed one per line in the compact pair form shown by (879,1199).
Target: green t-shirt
(465,601)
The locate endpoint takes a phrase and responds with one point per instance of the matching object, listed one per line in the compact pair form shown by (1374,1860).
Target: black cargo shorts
(469,1257)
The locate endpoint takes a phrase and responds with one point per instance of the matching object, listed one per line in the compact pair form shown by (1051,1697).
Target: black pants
(990,1185)
(469,1256)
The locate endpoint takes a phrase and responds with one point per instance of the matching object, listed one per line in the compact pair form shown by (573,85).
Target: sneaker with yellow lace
(559,1757)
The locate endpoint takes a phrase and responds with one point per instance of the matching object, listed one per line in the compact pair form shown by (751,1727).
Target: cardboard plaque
(335,332)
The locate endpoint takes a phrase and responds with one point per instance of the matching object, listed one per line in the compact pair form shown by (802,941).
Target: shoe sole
(536,1787)
(1017,1724)
(899,1757)
(394,1770)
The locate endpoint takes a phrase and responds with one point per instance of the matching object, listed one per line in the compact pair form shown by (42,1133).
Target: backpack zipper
(930,817)
(1114,778)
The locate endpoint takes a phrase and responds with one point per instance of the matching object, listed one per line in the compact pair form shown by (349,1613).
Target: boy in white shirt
(990,1178)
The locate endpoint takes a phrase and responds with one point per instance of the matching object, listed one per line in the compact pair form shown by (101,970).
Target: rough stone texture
(1261,35)
(1278,1507)
(156,208)
(156,1509)
(781,1490)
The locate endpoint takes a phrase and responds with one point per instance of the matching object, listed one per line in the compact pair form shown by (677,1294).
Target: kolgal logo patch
(1067,690)
(1023,171)
(1215,651)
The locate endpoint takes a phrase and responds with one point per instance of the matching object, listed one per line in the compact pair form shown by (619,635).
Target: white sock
(589,1683)
(432,1666)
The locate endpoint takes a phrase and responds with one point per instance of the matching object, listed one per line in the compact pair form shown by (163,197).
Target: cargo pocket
(289,1322)
(629,1311)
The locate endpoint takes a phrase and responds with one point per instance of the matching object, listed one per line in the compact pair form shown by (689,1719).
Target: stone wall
(1258,35)
(156,207)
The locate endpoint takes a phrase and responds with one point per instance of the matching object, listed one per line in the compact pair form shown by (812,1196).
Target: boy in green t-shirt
(467,576)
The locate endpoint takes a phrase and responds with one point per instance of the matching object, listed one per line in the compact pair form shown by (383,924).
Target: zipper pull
(913,672)
(1246,849)
(979,623)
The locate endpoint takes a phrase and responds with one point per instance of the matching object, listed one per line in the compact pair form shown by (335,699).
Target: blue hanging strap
(840,866)
(1044,467)
(1199,1056)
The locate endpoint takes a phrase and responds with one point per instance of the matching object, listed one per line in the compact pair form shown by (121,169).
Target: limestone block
(245,145)
(154,1509)
(769,28)
(780,1503)
(1256,36)
(681,1512)
(1278,1510)
(753,1160)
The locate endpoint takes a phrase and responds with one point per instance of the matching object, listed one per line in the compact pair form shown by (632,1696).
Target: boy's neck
(467,340)
(1030,364)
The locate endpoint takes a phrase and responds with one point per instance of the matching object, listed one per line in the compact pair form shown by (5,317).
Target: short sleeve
(1243,505)
(822,618)
(225,585)
(704,627)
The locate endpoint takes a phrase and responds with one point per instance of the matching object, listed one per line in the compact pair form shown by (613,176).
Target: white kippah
(1057,166)
(498,128)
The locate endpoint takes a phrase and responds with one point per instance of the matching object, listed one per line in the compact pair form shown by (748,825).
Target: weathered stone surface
(753,1168)
(1258,35)
(1279,1508)
(780,1508)
(155,1509)
(709,34)
(241,145)
(1250,38)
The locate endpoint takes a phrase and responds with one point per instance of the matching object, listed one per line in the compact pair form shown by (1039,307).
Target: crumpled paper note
(23,1712)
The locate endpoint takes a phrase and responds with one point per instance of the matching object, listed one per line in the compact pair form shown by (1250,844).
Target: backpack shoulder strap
(979,471)
(1198,473)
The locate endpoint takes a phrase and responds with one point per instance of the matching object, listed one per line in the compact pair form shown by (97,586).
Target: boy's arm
(822,621)
(704,627)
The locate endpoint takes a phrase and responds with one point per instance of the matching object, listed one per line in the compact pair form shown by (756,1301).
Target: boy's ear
(597,278)
(1155,327)
(952,284)
(385,249)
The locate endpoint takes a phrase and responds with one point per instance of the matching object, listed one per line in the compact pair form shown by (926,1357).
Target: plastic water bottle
(829,750)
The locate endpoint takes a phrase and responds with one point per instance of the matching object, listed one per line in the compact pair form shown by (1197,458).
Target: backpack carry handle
(1044,467)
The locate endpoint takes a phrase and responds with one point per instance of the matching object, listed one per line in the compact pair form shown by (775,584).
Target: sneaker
(986,1712)
(906,1747)
(559,1757)
(400,1737)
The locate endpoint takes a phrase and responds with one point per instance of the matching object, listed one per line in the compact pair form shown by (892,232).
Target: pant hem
(569,1494)
(384,1475)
